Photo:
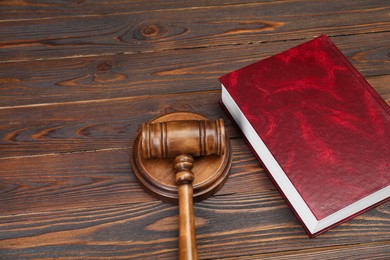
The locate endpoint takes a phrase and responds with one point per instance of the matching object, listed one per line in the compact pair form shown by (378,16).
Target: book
(318,127)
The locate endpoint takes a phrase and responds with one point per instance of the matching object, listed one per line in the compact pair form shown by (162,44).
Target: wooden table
(77,78)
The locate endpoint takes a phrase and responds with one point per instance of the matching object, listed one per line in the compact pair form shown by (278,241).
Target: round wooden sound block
(157,176)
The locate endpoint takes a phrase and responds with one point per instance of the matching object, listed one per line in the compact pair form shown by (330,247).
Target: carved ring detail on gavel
(195,137)
(184,140)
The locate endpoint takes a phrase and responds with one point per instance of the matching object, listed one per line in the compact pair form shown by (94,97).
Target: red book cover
(319,128)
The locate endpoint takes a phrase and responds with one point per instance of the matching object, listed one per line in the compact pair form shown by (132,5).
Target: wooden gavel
(184,140)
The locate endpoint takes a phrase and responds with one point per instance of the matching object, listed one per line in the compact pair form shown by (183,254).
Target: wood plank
(63,204)
(92,125)
(78,77)
(227,226)
(88,78)
(99,124)
(100,178)
(219,25)
(27,10)
(377,250)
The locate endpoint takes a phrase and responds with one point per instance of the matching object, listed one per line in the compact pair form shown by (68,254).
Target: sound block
(157,176)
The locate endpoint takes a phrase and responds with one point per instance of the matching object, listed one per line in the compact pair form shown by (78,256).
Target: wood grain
(22,10)
(144,32)
(96,207)
(135,231)
(77,78)
(96,178)
(93,125)
(90,125)
(88,78)
(378,250)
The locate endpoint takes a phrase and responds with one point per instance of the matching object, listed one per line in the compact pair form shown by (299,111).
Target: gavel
(184,140)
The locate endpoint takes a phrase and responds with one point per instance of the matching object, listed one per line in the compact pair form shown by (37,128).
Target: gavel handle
(184,179)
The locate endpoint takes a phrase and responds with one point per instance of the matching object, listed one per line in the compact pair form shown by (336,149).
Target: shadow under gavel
(184,140)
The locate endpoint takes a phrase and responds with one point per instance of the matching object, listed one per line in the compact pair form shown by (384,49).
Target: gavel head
(173,138)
